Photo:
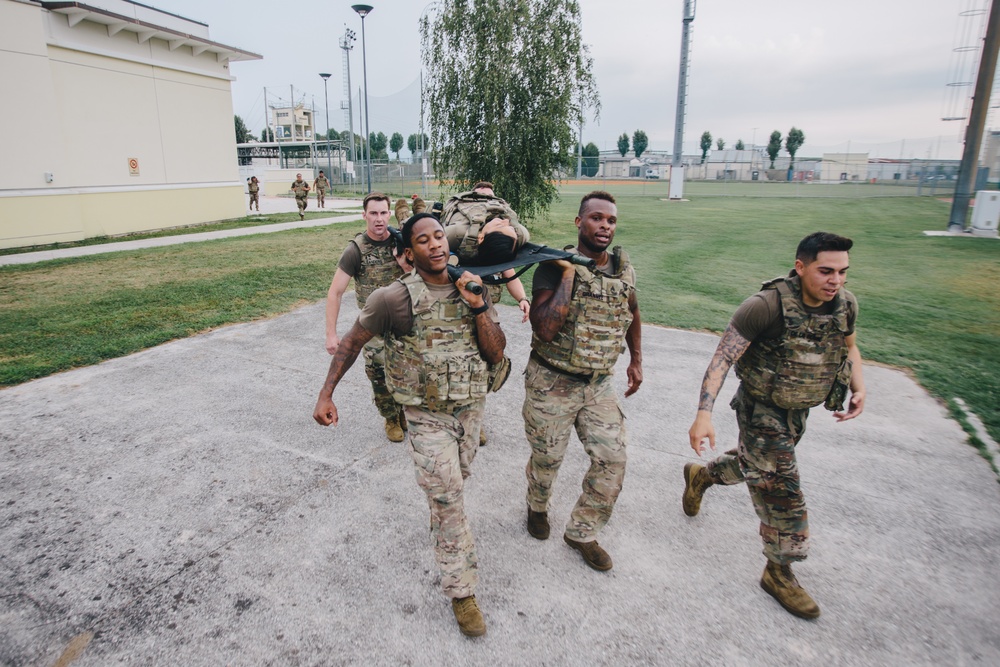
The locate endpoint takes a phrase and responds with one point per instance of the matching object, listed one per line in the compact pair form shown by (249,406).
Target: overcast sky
(863,75)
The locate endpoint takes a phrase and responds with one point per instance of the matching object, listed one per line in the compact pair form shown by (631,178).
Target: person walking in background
(301,190)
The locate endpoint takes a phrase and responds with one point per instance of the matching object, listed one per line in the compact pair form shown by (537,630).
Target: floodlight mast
(677,165)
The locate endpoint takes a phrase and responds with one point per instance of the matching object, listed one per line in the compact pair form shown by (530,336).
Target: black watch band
(482,309)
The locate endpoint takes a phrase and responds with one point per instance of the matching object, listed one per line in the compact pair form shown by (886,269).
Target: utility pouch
(838,392)
(499,372)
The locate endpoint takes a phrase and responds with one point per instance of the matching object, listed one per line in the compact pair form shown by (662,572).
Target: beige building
(131,126)
(292,124)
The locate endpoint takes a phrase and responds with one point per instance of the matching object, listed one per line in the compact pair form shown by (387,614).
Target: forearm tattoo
(731,347)
(347,352)
(490,338)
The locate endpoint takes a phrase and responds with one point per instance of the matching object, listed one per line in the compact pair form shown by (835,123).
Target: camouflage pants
(254,199)
(320,197)
(554,403)
(765,460)
(302,202)
(443,444)
(374,353)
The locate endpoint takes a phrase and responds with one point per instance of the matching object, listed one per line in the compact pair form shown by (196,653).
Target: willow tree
(507,85)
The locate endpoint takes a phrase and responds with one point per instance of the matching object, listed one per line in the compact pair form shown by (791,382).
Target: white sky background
(853,74)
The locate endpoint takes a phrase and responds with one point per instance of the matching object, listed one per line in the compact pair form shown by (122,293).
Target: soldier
(301,190)
(794,347)
(441,343)
(254,188)
(321,184)
(369,259)
(582,321)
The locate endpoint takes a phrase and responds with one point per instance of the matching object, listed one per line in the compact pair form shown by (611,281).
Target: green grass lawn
(928,304)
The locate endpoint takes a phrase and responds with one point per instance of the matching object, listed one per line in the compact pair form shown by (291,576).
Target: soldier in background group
(321,184)
(253,187)
(301,190)
(369,259)
(442,342)
(794,347)
(582,320)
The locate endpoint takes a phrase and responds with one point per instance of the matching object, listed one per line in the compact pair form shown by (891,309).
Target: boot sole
(688,467)
(791,610)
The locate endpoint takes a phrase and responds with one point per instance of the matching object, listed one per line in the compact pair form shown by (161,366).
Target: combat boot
(482,436)
(780,583)
(419,206)
(538,524)
(402,211)
(393,430)
(470,619)
(696,480)
(593,554)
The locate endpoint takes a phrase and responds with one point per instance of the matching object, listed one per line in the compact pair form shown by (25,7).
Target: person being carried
(794,347)
(442,341)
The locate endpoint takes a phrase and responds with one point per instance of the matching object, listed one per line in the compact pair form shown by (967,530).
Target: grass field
(928,304)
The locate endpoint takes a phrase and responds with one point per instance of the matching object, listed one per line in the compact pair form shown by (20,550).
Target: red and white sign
(133,166)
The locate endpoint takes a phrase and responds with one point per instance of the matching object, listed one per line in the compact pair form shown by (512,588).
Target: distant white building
(131,124)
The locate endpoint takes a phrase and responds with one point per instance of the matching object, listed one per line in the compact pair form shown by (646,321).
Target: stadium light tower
(326,106)
(677,166)
(363,11)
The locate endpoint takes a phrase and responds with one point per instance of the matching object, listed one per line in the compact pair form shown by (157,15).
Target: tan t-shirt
(389,308)
(760,316)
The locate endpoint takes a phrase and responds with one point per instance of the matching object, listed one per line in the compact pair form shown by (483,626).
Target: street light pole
(326,107)
(347,44)
(363,11)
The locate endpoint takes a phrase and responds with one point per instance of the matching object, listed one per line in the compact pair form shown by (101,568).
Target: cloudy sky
(868,75)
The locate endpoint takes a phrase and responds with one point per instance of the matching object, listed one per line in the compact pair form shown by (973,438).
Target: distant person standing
(794,347)
(254,188)
(301,190)
(369,260)
(321,184)
(582,321)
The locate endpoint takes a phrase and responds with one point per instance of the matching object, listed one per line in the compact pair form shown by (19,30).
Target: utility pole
(579,152)
(677,166)
(326,107)
(346,44)
(977,121)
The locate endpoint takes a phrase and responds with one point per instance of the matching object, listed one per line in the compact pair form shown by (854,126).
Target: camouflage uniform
(378,268)
(254,190)
(437,373)
(321,183)
(780,380)
(470,211)
(568,382)
(301,190)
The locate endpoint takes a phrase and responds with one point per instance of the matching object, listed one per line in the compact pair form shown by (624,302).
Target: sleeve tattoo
(731,347)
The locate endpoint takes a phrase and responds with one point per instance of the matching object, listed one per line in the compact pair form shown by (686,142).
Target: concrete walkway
(180,507)
(268,205)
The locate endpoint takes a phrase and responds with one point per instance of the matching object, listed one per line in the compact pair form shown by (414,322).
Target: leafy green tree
(378,143)
(706,144)
(720,143)
(396,144)
(793,142)
(507,85)
(639,142)
(773,146)
(242,133)
(332,134)
(591,159)
(413,143)
(623,144)
(359,144)
(739,145)
(267,134)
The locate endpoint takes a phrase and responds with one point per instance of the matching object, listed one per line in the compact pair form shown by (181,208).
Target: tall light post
(326,108)
(363,11)
(347,44)
(677,165)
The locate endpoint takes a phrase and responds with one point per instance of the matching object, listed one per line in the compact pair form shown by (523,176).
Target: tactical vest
(593,335)
(301,189)
(378,268)
(253,187)
(799,369)
(471,210)
(439,359)
(322,183)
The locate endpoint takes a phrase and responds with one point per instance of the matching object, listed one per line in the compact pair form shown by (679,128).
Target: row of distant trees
(793,142)
(377,140)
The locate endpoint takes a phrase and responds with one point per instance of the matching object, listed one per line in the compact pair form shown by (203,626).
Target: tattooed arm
(489,335)
(731,347)
(549,308)
(347,352)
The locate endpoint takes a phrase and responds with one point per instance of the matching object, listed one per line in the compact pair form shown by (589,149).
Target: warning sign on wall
(133,166)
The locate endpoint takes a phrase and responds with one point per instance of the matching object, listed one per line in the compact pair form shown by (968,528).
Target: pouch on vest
(499,372)
(838,393)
